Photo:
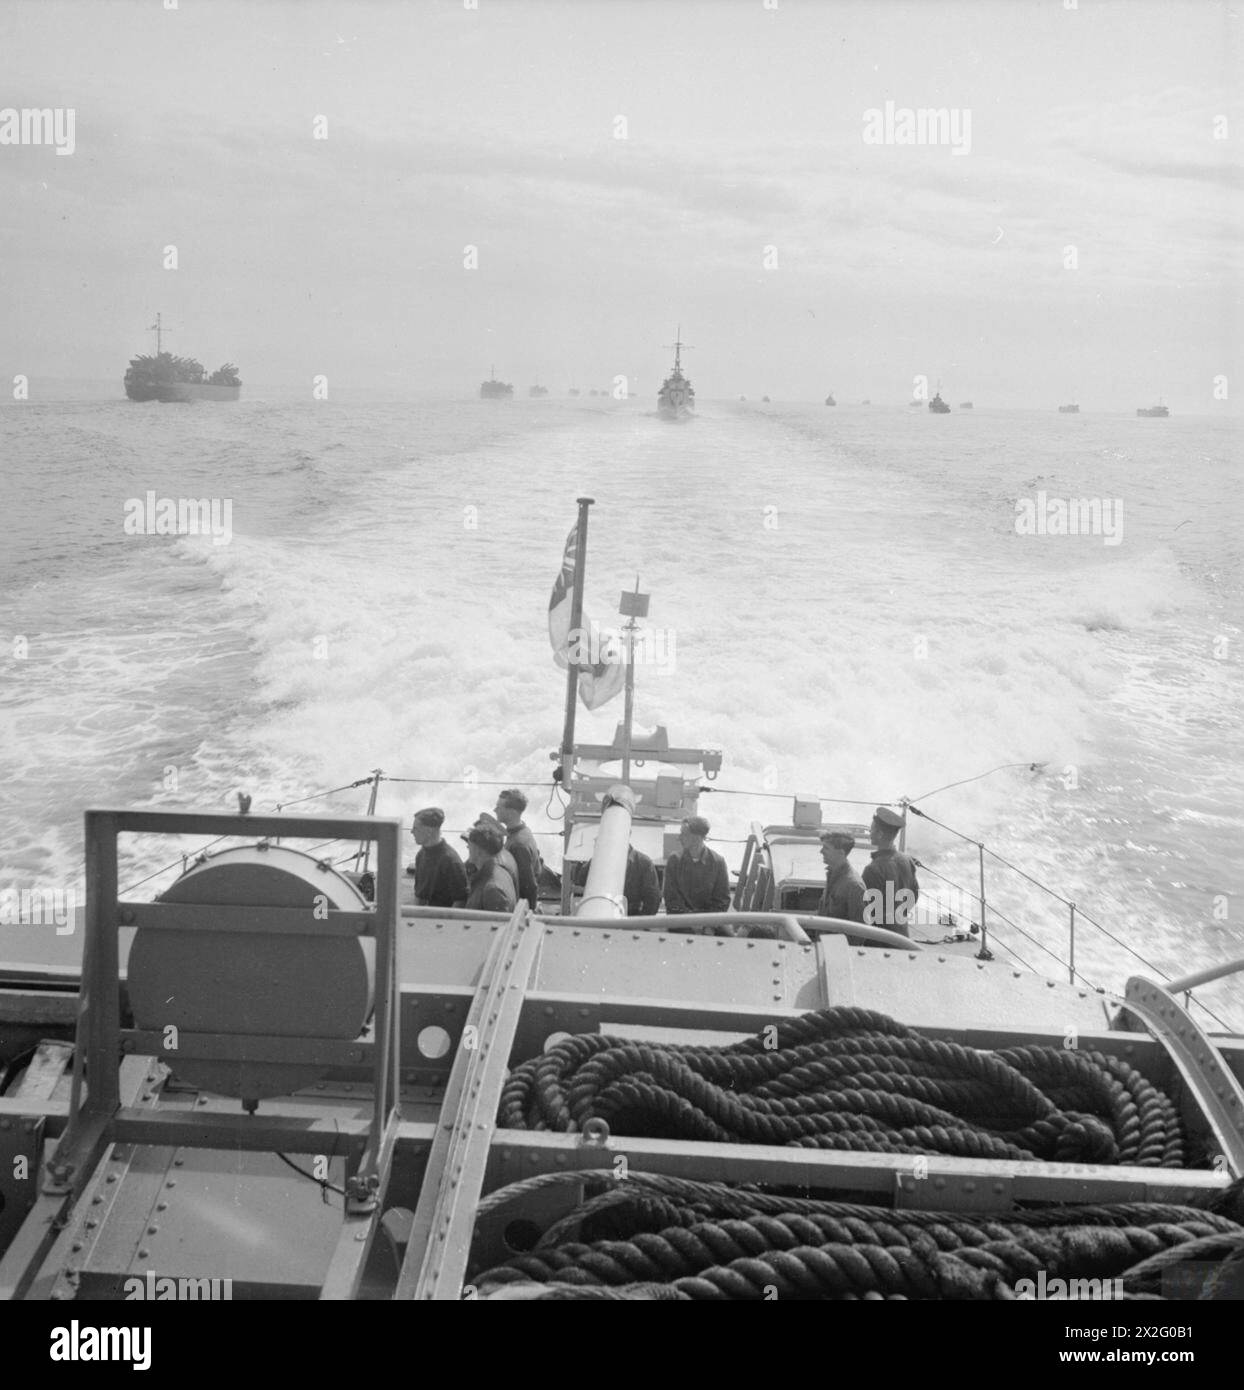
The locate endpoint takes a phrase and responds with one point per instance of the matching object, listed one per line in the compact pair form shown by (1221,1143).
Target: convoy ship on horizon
(179,380)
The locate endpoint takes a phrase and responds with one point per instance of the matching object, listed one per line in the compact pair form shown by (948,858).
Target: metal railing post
(364,849)
(984,950)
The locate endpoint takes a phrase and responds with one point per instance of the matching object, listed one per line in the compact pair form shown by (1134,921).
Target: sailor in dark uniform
(440,879)
(505,860)
(844,892)
(520,843)
(891,888)
(492,889)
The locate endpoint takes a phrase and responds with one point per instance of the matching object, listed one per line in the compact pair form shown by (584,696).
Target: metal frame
(440,1242)
(103,1117)
(1205,1073)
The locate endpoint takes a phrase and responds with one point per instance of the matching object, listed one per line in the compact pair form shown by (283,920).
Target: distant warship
(676,398)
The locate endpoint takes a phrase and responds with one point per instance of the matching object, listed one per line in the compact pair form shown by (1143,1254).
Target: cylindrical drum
(266,983)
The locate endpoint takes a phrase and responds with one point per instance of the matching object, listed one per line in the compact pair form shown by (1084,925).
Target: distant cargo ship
(537,390)
(171,379)
(1154,412)
(829,400)
(1069,410)
(965,405)
(494,390)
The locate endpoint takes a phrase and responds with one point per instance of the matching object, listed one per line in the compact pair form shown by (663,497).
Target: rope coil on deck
(852,1079)
(686,1240)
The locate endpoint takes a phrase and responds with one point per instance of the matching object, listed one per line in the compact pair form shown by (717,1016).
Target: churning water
(851,610)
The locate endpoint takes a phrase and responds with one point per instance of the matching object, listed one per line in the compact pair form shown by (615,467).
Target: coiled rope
(647,1236)
(852,1079)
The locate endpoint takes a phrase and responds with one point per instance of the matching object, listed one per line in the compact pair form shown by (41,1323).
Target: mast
(158,330)
(678,346)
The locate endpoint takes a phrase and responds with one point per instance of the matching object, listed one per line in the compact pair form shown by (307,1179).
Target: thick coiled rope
(852,1079)
(736,1243)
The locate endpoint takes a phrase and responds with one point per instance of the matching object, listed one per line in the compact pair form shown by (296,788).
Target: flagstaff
(633,606)
(576,622)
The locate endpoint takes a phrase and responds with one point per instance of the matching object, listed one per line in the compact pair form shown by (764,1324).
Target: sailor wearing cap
(696,878)
(505,860)
(890,883)
(844,889)
(440,879)
(492,889)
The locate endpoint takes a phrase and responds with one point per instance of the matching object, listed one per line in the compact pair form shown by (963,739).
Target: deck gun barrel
(603,898)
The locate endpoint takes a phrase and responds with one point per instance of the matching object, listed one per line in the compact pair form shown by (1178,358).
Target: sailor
(521,843)
(695,876)
(640,887)
(889,877)
(844,889)
(440,879)
(505,860)
(491,888)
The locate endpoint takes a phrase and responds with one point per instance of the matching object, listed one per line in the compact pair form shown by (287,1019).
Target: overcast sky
(496,127)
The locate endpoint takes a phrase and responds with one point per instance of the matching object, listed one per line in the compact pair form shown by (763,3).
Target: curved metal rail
(1204,1071)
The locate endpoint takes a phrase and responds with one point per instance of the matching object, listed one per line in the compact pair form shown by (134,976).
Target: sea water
(850,605)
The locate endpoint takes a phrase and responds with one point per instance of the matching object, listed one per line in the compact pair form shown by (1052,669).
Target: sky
(623,167)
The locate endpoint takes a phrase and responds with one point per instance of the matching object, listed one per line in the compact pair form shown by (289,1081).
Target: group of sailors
(503,865)
(503,860)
